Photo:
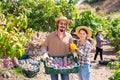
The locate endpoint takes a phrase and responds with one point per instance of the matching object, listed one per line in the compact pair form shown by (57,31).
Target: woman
(99,45)
(83,50)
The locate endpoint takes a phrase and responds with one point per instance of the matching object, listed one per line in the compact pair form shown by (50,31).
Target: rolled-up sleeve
(44,47)
(100,39)
(86,51)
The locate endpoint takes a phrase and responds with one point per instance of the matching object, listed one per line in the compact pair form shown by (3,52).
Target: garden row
(21,18)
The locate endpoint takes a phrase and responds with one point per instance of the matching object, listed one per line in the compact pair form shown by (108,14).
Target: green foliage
(91,1)
(18,69)
(40,13)
(114,33)
(16,23)
(115,22)
(73,1)
(12,43)
(21,16)
(116,75)
(98,8)
(43,15)
(67,9)
(116,66)
(13,36)
(58,2)
(89,19)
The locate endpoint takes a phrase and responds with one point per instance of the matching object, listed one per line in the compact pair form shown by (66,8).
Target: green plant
(18,69)
(98,8)
(116,66)
(116,75)
(114,33)
(40,13)
(91,1)
(13,37)
(12,43)
(90,19)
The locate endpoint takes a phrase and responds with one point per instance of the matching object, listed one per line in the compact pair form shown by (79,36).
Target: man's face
(62,25)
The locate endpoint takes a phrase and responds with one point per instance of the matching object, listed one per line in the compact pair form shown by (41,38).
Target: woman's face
(82,34)
(100,32)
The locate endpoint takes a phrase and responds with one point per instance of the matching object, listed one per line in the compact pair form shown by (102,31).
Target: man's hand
(44,56)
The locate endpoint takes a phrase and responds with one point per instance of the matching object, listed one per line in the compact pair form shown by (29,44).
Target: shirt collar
(82,44)
(57,33)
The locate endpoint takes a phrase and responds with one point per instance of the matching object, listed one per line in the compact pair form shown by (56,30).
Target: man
(57,43)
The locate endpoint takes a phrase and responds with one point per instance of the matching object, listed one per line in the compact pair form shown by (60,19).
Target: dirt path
(99,72)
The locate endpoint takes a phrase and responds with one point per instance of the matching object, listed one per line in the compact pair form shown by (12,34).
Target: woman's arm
(100,39)
(85,51)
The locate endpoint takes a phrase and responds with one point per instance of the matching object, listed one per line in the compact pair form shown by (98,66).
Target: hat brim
(99,31)
(86,28)
(59,19)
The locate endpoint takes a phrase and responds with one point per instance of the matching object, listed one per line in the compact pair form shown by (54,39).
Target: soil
(102,72)
(107,6)
(99,72)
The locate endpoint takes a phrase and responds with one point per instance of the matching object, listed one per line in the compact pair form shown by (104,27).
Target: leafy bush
(40,13)
(22,15)
(12,43)
(89,19)
(91,1)
(114,33)
(13,36)
(116,65)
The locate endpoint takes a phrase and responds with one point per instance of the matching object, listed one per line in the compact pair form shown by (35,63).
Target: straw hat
(99,30)
(62,18)
(86,28)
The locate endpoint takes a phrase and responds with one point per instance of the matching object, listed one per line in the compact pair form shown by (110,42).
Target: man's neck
(60,34)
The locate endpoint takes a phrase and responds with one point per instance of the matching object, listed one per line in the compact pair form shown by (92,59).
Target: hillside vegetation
(108,6)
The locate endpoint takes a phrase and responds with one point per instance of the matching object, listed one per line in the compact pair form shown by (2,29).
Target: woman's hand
(78,50)
(73,46)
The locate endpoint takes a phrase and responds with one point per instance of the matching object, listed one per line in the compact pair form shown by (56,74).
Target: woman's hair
(96,34)
(84,30)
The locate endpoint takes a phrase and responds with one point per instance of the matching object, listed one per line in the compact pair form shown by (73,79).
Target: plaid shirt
(85,50)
